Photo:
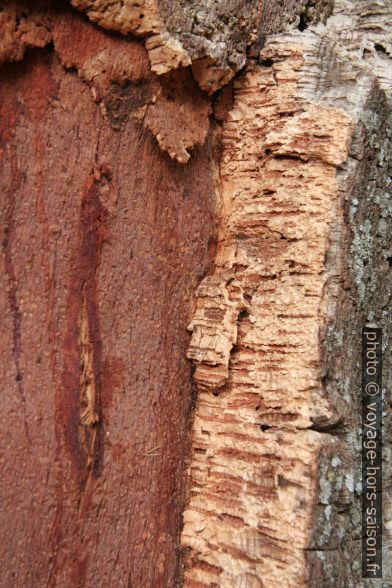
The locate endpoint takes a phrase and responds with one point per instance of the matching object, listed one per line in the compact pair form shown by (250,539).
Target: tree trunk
(227,171)
(105,240)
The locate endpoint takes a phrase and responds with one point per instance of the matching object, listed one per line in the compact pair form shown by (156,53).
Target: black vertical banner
(372,415)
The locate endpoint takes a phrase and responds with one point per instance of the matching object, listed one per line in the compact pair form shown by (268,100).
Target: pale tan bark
(265,491)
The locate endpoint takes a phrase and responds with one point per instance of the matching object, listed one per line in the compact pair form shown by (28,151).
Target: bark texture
(137,202)
(274,493)
(104,240)
(212,36)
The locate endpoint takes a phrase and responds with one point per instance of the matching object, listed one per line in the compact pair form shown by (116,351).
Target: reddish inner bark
(99,226)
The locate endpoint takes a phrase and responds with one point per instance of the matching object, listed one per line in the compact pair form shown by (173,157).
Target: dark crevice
(302,26)
(266,62)
(8,232)
(333,429)
(290,156)
(243,314)
(380,49)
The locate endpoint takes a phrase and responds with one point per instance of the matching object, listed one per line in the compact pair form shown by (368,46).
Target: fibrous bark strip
(267,486)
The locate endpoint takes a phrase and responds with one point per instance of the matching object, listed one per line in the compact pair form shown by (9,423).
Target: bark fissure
(8,232)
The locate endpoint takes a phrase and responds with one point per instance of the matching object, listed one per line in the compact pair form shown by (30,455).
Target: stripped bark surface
(104,237)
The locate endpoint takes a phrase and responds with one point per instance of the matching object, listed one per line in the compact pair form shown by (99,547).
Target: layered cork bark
(272,479)
(212,37)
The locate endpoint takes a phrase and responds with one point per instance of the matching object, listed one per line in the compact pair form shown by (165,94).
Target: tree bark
(104,240)
(221,166)
(302,265)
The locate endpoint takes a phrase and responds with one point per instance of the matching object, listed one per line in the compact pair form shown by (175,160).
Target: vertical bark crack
(8,234)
